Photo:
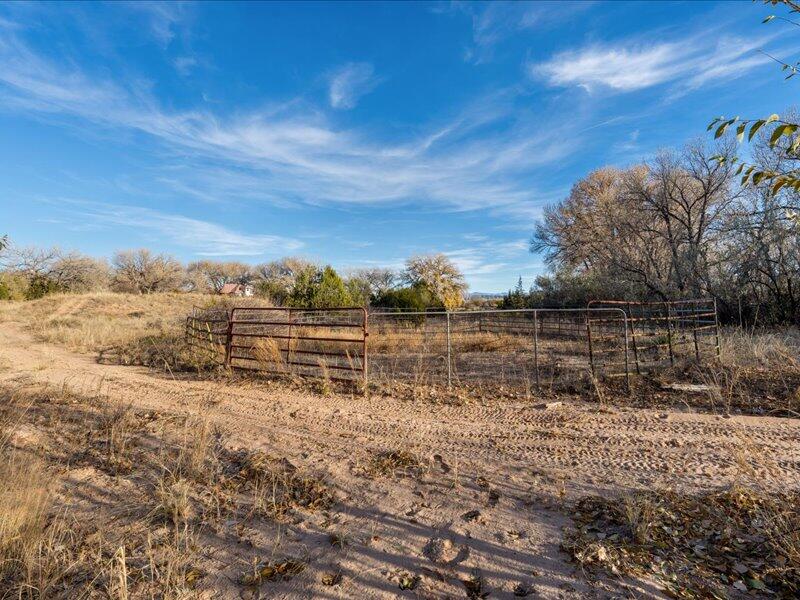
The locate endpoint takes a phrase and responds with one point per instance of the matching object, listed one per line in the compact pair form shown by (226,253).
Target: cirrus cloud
(349,83)
(631,65)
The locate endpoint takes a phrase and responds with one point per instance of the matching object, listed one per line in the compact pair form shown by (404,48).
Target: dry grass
(765,349)
(124,329)
(102,320)
(386,340)
(172,475)
(34,553)
(758,373)
(115,428)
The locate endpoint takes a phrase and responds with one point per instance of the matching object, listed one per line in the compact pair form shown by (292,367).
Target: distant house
(237,289)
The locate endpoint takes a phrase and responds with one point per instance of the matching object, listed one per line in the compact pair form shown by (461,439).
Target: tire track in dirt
(620,446)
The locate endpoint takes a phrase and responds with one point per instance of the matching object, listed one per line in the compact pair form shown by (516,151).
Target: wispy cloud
(201,237)
(185,64)
(162,18)
(493,22)
(485,257)
(349,83)
(294,150)
(630,65)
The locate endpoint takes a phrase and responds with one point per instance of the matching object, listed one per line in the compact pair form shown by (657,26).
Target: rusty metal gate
(330,342)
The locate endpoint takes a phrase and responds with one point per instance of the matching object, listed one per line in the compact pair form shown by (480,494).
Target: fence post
(627,368)
(669,334)
(288,344)
(449,364)
(536,348)
(716,328)
(633,339)
(229,338)
(589,339)
(364,361)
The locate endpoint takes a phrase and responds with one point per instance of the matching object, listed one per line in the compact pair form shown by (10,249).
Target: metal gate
(516,347)
(329,342)
(670,332)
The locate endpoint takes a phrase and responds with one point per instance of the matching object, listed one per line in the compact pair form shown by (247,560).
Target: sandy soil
(516,463)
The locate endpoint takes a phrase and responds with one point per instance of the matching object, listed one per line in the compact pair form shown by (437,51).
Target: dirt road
(531,457)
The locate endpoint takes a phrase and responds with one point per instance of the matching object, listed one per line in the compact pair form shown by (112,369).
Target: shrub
(416,297)
(315,288)
(39,286)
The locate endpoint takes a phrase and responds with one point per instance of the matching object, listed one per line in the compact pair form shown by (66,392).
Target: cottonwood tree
(763,252)
(763,246)
(213,276)
(378,279)
(654,226)
(439,275)
(142,272)
(365,285)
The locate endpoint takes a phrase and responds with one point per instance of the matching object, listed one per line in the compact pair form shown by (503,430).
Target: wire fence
(541,347)
(537,346)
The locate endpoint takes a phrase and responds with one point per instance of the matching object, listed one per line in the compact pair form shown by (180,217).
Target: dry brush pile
(741,539)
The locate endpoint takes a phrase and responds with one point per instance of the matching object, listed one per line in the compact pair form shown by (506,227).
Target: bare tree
(30,261)
(439,275)
(75,272)
(657,225)
(377,279)
(213,276)
(140,271)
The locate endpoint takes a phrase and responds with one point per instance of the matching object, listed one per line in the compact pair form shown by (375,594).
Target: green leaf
(721,129)
(781,130)
(714,122)
(768,19)
(758,176)
(754,128)
(740,132)
(740,169)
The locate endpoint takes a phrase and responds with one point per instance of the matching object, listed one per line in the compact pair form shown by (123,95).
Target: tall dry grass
(34,555)
(96,321)
(766,349)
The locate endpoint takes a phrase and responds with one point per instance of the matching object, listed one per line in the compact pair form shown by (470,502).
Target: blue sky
(355,134)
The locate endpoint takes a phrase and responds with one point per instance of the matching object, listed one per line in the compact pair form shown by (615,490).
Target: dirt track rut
(594,448)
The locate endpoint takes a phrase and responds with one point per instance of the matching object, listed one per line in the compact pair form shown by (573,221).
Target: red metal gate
(321,342)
